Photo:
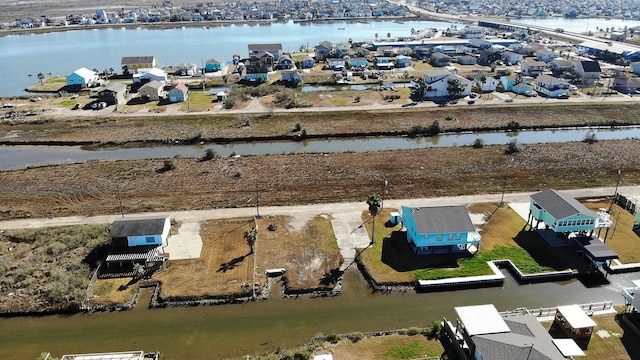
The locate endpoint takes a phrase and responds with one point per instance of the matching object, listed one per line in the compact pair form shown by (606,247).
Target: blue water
(61,53)
(579,25)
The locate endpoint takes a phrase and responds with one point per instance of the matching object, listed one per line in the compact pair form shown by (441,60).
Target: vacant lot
(47,269)
(392,347)
(93,187)
(621,237)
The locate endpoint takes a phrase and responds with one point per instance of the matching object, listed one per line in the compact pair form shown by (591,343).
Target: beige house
(152,91)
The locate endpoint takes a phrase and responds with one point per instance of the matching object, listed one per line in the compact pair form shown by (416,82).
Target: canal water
(13,157)
(219,332)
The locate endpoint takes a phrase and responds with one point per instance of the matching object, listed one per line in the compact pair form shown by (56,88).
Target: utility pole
(257,200)
(615,194)
(385,182)
(504,184)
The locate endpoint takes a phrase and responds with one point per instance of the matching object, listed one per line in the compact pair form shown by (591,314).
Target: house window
(439,237)
(458,236)
(150,239)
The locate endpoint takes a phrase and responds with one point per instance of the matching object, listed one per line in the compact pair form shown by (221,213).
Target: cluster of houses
(544,8)
(230,11)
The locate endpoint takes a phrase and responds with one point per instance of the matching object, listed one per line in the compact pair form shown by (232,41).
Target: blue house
(308,63)
(358,62)
(213,65)
(440,229)
(403,61)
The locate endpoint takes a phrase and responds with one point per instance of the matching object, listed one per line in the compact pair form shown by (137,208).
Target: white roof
(85,73)
(482,319)
(134,355)
(636,283)
(323,357)
(576,317)
(568,347)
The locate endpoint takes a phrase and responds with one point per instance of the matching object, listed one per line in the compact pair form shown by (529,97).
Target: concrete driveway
(350,234)
(186,244)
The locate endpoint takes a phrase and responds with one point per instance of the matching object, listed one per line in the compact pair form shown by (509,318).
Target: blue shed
(440,229)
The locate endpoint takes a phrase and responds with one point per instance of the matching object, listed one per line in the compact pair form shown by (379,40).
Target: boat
(341,28)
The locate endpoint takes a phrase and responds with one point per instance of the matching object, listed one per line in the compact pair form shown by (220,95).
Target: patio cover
(568,347)
(482,319)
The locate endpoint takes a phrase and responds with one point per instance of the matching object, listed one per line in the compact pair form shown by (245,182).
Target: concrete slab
(186,244)
(523,210)
(350,233)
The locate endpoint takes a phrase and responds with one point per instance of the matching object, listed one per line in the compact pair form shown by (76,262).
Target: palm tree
(41,77)
(375,203)
(251,235)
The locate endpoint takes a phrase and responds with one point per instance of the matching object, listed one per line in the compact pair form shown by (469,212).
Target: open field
(102,128)
(621,237)
(393,347)
(93,187)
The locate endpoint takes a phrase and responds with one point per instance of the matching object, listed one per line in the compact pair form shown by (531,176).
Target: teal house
(440,229)
(213,65)
(560,212)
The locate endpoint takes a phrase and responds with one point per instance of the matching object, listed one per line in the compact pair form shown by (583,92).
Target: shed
(178,93)
(573,322)
(395,218)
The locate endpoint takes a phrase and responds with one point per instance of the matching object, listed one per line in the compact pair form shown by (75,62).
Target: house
(466,60)
(385,62)
(438,84)
(559,66)
(274,49)
(146,75)
(440,59)
(286,62)
(152,91)
(632,295)
(488,57)
(114,94)
(532,68)
(480,43)
(472,32)
(131,63)
(440,229)
(178,93)
(403,61)
(265,59)
(213,65)
(486,83)
(516,84)
(627,85)
(82,78)
(186,69)
(560,212)
(511,58)
(480,332)
(308,62)
(139,241)
(587,69)
(293,77)
(357,63)
(546,55)
(322,50)
(635,67)
(551,86)
(336,64)
(618,36)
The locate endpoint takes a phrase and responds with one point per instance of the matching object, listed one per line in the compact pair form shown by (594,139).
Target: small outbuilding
(179,93)
(573,322)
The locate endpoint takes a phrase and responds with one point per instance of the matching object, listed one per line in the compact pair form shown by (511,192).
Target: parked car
(530,93)
(8,106)
(509,100)
(410,104)
(471,102)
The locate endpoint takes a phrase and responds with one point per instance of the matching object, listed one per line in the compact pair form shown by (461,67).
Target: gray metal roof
(126,60)
(528,339)
(560,205)
(442,219)
(596,249)
(124,228)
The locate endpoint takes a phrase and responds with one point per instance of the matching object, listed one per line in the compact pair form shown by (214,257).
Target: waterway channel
(231,331)
(13,157)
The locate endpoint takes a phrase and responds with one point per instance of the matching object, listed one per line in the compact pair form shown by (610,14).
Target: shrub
(478,143)
(297,128)
(512,147)
(333,338)
(168,165)
(229,103)
(590,138)
(356,336)
(513,125)
(209,154)
(435,128)
(435,329)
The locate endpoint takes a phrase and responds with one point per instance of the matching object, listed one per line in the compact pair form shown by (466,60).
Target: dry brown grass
(113,291)
(384,347)
(224,266)
(621,238)
(308,251)
(92,187)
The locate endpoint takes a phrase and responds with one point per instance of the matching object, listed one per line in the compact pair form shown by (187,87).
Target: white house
(438,82)
(147,75)
(82,77)
(587,69)
(489,83)
(546,55)
(532,68)
(551,86)
(511,57)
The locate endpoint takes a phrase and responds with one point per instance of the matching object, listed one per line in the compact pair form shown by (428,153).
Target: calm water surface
(13,157)
(218,332)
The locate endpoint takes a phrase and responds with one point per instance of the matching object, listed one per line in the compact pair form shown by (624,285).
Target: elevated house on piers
(570,222)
